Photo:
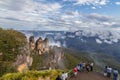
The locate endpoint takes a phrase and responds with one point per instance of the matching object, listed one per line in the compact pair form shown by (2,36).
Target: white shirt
(63,77)
(92,64)
(66,74)
(109,70)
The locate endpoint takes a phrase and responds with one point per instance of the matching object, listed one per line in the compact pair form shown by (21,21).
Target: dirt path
(90,76)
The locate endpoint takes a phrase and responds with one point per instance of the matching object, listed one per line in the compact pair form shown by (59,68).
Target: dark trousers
(114,78)
(91,68)
(108,74)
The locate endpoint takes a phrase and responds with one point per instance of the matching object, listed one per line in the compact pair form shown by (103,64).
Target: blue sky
(59,14)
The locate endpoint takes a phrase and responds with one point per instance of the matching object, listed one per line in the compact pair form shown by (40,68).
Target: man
(63,77)
(91,66)
(109,71)
(115,74)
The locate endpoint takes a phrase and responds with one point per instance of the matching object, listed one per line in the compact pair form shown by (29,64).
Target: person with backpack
(115,74)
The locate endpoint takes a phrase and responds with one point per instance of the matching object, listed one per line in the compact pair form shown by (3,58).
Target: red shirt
(75,70)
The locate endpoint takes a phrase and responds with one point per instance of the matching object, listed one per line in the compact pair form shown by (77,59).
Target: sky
(59,15)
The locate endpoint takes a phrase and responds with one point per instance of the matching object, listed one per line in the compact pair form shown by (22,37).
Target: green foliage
(39,61)
(10,42)
(32,75)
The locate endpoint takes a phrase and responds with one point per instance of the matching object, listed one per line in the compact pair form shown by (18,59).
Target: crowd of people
(108,71)
(80,67)
(83,66)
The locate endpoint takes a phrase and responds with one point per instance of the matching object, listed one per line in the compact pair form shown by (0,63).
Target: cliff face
(23,60)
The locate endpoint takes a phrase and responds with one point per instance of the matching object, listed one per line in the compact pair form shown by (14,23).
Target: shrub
(32,75)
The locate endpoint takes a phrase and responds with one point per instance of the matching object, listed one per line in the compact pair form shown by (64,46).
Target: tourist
(115,74)
(84,64)
(109,71)
(66,76)
(91,66)
(81,66)
(75,71)
(63,77)
(105,71)
(88,67)
(78,67)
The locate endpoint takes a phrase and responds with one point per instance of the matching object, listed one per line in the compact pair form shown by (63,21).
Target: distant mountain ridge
(100,41)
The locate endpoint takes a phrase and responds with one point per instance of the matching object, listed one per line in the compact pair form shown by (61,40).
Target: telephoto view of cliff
(59,40)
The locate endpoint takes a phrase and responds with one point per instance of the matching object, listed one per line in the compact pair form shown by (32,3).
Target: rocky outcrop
(24,60)
(41,46)
(31,43)
(57,58)
(46,45)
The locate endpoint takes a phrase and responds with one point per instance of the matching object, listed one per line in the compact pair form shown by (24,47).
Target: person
(88,67)
(105,71)
(75,71)
(91,66)
(63,77)
(84,64)
(81,66)
(66,76)
(58,78)
(78,67)
(109,71)
(115,74)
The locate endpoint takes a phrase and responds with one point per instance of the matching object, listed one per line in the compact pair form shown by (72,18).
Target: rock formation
(41,46)
(31,43)
(57,58)
(23,62)
(46,45)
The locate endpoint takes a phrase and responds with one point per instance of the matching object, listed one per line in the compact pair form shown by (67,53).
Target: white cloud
(93,7)
(89,2)
(98,41)
(47,16)
(117,3)
(27,10)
